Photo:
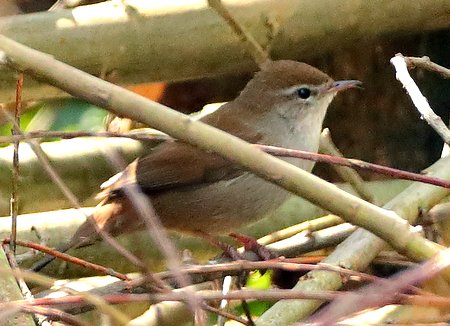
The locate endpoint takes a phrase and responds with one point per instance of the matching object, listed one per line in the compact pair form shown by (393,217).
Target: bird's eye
(303,92)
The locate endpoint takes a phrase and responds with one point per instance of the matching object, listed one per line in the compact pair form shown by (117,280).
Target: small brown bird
(193,190)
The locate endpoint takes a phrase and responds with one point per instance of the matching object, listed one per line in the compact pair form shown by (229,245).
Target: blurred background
(377,124)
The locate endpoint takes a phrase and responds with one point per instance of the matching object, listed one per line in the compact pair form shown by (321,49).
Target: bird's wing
(176,164)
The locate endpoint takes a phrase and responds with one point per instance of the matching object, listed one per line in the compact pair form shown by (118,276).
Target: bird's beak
(342,85)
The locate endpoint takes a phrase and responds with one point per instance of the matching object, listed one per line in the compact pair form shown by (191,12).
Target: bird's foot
(229,251)
(252,249)
(251,245)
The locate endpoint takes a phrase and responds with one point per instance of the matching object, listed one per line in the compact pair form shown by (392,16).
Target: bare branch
(252,45)
(426,63)
(421,103)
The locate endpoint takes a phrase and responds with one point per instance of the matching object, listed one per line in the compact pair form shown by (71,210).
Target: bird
(193,190)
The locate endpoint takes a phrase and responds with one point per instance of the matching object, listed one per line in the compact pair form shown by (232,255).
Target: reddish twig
(158,233)
(235,268)
(327,146)
(56,178)
(225,314)
(277,151)
(136,135)
(16,170)
(267,295)
(382,292)
(354,163)
(70,259)
(54,315)
(298,264)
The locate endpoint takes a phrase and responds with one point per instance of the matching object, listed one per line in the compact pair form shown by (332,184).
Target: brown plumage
(191,189)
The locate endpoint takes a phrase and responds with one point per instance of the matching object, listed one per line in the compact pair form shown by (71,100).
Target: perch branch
(384,223)
(359,249)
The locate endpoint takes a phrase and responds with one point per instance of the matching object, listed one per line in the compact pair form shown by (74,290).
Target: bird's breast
(219,207)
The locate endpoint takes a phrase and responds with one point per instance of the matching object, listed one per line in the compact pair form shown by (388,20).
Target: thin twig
(56,178)
(307,226)
(245,307)
(421,103)
(204,273)
(31,253)
(305,242)
(150,135)
(426,63)
(277,151)
(247,312)
(26,293)
(292,265)
(270,295)
(399,174)
(16,170)
(225,314)
(143,206)
(54,315)
(382,292)
(347,174)
(70,259)
(46,281)
(74,201)
(259,55)
(234,268)
(267,295)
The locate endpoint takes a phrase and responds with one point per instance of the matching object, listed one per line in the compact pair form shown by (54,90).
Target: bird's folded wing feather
(176,164)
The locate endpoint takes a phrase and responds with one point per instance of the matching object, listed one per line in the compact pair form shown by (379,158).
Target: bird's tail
(112,216)
(79,239)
